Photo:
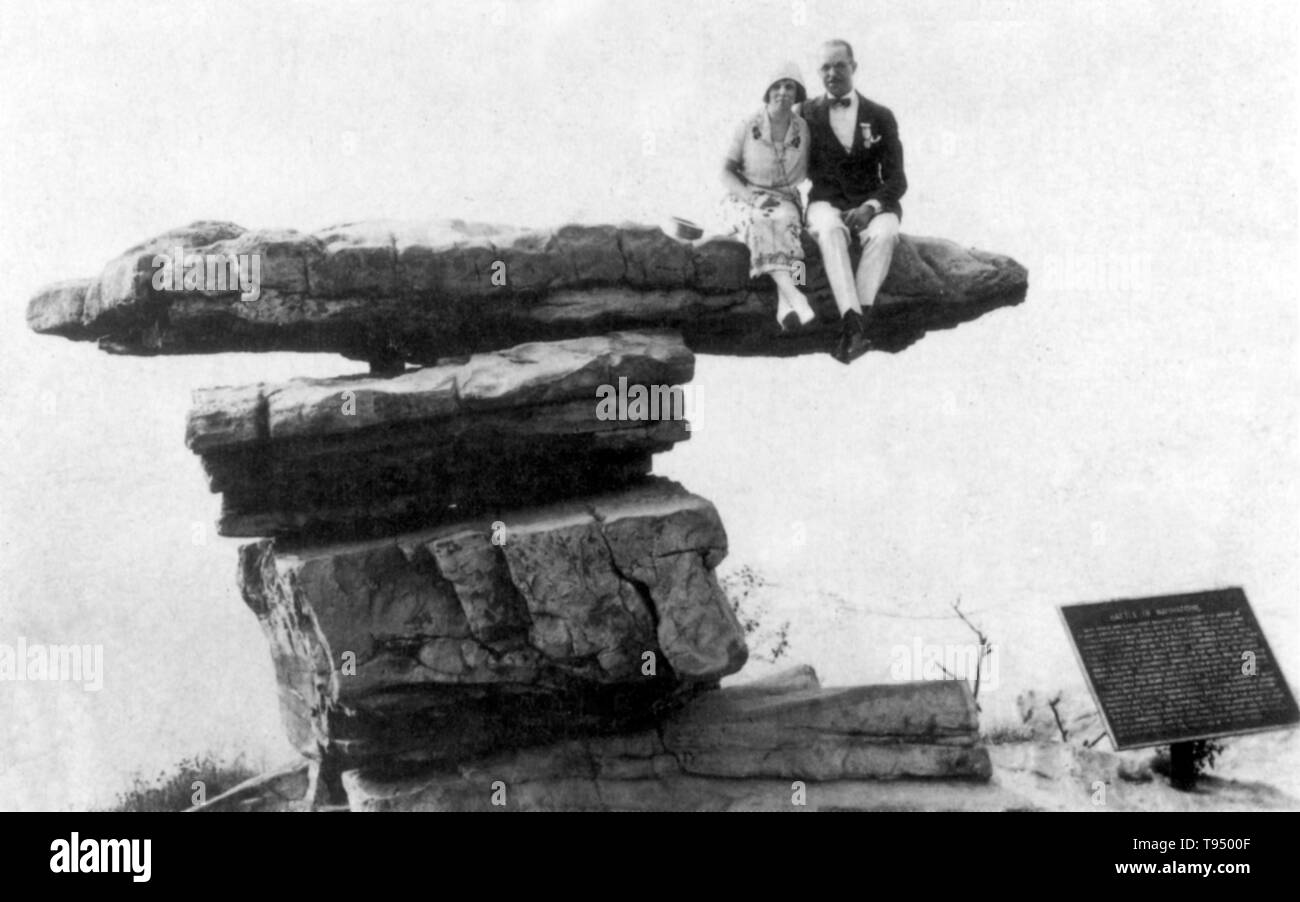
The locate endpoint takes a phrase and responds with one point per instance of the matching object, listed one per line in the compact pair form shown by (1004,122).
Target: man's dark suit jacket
(866,172)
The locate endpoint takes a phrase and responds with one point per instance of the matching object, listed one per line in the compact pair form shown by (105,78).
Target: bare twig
(1052,703)
(979,634)
(985,647)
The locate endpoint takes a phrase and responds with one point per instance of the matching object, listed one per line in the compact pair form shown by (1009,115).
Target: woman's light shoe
(796,301)
(787,316)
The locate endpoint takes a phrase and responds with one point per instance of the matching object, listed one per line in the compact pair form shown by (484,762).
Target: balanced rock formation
(417,293)
(465,572)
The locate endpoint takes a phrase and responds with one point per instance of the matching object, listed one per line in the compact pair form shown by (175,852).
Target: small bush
(175,791)
(741,588)
(1006,733)
(1204,754)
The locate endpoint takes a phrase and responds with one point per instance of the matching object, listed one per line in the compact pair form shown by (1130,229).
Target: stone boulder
(364,454)
(392,292)
(587,616)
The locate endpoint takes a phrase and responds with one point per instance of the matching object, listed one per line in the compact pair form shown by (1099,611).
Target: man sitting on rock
(856,168)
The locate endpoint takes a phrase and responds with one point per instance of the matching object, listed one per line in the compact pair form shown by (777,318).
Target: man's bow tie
(841,101)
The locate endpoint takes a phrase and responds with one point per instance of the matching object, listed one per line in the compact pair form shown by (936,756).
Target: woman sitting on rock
(766,162)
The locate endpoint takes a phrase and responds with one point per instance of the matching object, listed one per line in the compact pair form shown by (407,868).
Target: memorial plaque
(1176,668)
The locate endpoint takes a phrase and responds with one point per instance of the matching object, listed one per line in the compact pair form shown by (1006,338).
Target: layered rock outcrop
(493,625)
(391,293)
(465,572)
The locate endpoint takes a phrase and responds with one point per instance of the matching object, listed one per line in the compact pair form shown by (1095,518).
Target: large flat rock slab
(883,747)
(579,617)
(397,292)
(369,455)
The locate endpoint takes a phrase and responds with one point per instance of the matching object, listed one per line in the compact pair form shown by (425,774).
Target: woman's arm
(733,168)
(734,182)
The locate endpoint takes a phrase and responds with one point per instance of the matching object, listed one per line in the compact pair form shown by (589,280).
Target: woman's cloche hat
(791,71)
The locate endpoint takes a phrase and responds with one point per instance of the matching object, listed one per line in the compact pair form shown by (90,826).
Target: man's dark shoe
(790,323)
(853,343)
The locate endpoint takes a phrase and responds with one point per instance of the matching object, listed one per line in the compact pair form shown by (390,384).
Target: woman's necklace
(779,138)
(779,145)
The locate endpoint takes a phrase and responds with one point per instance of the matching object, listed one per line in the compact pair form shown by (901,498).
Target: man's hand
(857,218)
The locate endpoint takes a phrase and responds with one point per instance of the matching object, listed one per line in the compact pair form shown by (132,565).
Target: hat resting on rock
(791,71)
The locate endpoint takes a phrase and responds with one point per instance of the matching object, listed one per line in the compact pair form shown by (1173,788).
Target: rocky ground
(1057,776)
(1027,773)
